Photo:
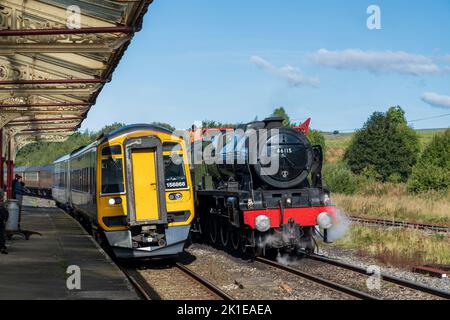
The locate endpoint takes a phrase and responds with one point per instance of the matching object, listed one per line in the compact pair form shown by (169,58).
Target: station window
(112,176)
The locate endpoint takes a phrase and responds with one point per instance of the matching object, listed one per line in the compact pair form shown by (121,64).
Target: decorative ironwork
(49,70)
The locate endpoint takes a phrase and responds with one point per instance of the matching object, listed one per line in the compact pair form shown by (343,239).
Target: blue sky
(233,60)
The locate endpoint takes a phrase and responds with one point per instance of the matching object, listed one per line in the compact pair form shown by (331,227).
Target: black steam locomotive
(259,189)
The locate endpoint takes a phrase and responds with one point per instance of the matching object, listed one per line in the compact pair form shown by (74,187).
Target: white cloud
(376,61)
(294,75)
(436,100)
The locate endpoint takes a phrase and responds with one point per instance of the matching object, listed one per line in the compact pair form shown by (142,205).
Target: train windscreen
(112,176)
(175,174)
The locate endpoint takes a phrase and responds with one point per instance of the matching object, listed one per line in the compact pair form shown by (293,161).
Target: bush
(316,137)
(385,145)
(338,178)
(432,172)
(425,178)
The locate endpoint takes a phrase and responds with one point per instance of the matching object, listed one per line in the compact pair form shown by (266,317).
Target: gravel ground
(252,281)
(387,290)
(169,283)
(351,257)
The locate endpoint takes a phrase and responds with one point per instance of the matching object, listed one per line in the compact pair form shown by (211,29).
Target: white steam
(340,226)
(287,260)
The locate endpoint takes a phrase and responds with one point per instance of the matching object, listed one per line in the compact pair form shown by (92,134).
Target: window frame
(106,157)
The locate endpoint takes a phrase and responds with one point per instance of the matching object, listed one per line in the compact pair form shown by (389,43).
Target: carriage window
(112,150)
(174,172)
(112,176)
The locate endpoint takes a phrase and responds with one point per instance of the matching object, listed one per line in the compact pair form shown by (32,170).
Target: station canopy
(55,58)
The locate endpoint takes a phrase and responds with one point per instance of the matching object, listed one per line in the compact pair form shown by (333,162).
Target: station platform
(37,268)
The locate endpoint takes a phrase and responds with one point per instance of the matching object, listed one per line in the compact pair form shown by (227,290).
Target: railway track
(140,285)
(204,282)
(326,283)
(385,277)
(146,292)
(399,224)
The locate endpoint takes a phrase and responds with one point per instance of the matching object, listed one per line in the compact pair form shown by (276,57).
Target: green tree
(43,153)
(432,171)
(280,112)
(338,178)
(216,124)
(164,125)
(111,127)
(385,145)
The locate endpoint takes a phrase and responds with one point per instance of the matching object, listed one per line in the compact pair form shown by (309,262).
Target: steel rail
(323,282)
(402,224)
(211,287)
(135,283)
(388,278)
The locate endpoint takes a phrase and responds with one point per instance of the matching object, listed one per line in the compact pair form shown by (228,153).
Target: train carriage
(132,188)
(38,180)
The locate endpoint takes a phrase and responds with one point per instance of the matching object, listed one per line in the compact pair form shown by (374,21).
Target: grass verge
(426,208)
(398,247)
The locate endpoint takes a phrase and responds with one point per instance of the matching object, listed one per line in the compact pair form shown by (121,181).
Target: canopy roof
(55,58)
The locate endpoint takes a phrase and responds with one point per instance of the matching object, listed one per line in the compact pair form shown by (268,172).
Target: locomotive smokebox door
(146,201)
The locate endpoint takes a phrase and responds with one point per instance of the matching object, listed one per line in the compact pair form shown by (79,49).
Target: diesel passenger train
(126,189)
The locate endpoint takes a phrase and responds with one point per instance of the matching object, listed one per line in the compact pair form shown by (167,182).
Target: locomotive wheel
(236,239)
(224,234)
(243,246)
(271,253)
(254,250)
(212,230)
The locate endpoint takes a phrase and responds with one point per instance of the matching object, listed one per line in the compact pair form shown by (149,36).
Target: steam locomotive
(261,206)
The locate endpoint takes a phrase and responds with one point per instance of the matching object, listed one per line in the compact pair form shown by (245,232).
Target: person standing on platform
(3,218)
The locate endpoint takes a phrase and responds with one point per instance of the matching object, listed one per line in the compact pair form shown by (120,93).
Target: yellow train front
(132,189)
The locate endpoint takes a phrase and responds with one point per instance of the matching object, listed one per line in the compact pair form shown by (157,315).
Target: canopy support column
(2,159)
(9,172)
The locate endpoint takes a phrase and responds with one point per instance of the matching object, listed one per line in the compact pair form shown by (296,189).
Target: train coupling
(291,232)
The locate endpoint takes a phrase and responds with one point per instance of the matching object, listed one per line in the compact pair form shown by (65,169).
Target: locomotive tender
(243,205)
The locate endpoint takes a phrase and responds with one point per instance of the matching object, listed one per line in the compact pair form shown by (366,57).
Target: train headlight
(262,223)
(114,201)
(175,196)
(324,220)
